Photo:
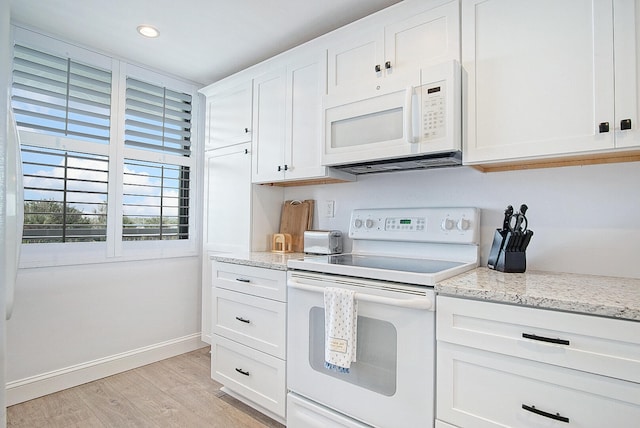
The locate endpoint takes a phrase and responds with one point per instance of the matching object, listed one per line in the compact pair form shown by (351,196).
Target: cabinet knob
(246,130)
(625,124)
(387,65)
(603,127)
(246,151)
(378,68)
(279,168)
(286,167)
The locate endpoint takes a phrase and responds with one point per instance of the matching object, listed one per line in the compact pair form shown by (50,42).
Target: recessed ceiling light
(148,31)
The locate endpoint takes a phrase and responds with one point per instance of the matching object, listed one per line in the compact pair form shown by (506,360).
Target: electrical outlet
(329,208)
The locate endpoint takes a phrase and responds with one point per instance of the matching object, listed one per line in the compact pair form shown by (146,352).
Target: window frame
(114,249)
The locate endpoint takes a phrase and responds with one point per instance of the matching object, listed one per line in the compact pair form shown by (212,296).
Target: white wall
(68,316)
(586,219)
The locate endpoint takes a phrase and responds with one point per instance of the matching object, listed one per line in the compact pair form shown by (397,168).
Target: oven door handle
(415,303)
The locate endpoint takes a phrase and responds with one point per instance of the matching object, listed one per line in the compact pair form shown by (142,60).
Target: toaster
(322,241)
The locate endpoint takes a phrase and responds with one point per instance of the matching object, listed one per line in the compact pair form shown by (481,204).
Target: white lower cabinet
(254,375)
(248,349)
(484,389)
(508,366)
(254,321)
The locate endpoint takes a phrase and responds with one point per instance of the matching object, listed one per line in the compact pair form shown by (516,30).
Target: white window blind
(59,96)
(157,118)
(156,195)
(65,196)
(88,140)
(156,201)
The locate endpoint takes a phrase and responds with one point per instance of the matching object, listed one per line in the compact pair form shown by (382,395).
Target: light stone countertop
(588,294)
(263,259)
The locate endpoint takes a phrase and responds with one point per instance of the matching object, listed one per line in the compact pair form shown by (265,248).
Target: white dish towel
(340,328)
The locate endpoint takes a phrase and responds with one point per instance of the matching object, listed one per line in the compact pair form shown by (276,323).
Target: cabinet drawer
(599,345)
(252,374)
(261,282)
(482,389)
(302,413)
(253,321)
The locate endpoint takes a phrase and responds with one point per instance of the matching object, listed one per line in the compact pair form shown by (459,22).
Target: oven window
(376,358)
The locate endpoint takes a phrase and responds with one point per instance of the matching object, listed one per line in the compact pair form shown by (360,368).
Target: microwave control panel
(434,107)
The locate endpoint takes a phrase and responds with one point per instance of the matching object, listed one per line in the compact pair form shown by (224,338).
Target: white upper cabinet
(306,84)
(395,44)
(627,72)
(287,121)
(228,113)
(540,77)
(269,98)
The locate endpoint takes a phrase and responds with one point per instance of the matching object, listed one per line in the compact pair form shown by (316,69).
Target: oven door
(392,382)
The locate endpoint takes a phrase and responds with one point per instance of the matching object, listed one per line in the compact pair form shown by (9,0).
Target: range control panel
(459,225)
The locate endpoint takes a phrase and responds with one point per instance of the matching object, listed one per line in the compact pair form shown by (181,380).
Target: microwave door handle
(413,303)
(408,115)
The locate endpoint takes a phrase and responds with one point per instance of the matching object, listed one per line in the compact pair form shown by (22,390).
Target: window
(65,196)
(156,195)
(107,154)
(65,192)
(155,202)
(59,96)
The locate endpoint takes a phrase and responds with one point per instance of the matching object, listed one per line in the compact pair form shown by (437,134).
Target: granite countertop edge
(261,259)
(610,297)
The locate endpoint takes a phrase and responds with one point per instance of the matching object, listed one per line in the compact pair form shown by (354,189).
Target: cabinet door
(627,69)
(352,62)
(426,38)
(539,77)
(268,126)
(229,117)
(227,208)
(306,84)
(489,390)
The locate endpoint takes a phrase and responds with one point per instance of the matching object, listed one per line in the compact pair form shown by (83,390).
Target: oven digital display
(404,224)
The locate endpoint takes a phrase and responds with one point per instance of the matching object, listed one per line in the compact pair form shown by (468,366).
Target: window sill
(50,255)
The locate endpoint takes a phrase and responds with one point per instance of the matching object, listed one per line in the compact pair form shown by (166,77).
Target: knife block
(502,260)
(512,262)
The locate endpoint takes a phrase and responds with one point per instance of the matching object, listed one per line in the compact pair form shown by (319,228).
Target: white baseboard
(36,386)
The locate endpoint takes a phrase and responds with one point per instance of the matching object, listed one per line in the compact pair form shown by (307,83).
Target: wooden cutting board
(296,217)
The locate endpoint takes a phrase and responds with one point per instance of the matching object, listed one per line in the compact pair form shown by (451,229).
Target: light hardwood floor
(177,392)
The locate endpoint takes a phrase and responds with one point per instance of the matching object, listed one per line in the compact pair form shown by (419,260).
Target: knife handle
(526,239)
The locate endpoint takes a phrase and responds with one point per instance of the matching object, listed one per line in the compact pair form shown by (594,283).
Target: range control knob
(463,224)
(357,223)
(447,224)
(369,223)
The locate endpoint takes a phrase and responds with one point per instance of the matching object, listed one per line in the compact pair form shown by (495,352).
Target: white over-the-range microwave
(409,123)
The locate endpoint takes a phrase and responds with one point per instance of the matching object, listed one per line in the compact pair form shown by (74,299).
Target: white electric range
(397,256)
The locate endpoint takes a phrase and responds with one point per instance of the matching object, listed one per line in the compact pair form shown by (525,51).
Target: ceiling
(200,40)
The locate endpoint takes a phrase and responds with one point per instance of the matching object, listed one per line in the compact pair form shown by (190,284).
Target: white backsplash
(586,219)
